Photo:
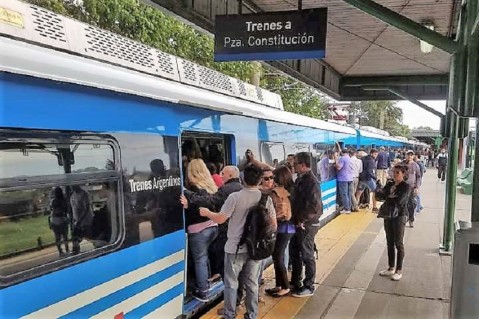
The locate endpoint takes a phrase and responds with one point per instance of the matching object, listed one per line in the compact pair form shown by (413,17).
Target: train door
(217,151)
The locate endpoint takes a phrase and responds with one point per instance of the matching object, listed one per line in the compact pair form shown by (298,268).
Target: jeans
(394,229)
(280,269)
(302,252)
(345,189)
(418,203)
(234,264)
(198,244)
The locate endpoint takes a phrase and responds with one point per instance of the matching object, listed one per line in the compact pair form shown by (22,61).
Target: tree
(369,114)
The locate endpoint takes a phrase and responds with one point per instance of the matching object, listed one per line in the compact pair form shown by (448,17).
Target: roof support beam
(403,96)
(401,22)
(395,80)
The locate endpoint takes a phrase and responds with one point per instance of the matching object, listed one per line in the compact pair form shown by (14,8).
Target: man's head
(410,155)
(252,175)
(374,153)
(382,149)
(302,162)
(443,151)
(290,159)
(352,152)
(344,152)
(229,172)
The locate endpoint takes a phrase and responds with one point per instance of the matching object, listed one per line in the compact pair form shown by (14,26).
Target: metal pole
(401,22)
(475,179)
(451,176)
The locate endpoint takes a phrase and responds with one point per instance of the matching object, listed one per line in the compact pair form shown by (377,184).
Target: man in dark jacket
(382,166)
(230,176)
(367,178)
(307,207)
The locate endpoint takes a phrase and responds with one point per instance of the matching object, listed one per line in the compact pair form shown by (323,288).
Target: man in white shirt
(357,167)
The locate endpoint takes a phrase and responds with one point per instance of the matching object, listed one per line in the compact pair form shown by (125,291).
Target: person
(306,207)
(290,164)
(251,160)
(82,216)
(442,165)
(201,231)
(367,178)
(345,178)
(214,174)
(59,220)
(231,184)
(326,166)
(430,158)
(382,166)
(280,195)
(422,169)
(357,166)
(397,194)
(237,260)
(414,180)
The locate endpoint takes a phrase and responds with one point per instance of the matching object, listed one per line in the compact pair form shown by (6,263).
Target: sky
(414,116)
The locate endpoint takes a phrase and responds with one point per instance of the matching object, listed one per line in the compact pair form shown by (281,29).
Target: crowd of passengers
(216,206)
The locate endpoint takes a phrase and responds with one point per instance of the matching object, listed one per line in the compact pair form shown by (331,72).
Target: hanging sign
(271,36)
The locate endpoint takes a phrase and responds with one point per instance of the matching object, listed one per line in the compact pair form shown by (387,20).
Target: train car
(106,122)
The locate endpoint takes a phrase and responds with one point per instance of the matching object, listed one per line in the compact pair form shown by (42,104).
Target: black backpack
(259,233)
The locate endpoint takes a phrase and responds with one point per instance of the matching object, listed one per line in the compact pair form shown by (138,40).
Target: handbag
(388,210)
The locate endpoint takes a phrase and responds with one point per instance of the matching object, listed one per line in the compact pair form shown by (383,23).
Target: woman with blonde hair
(201,230)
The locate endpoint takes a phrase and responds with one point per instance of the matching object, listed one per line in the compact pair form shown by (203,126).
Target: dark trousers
(411,207)
(441,172)
(280,271)
(394,229)
(216,253)
(303,253)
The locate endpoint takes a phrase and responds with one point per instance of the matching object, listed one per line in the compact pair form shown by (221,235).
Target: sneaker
(303,292)
(396,277)
(345,212)
(200,296)
(386,272)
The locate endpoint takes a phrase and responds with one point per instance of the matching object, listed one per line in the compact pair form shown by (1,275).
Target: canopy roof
(362,51)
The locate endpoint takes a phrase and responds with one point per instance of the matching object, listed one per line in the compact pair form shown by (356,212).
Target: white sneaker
(386,272)
(396,277)
(345,212)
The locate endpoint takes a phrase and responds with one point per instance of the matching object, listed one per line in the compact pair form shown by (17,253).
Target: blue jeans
(198,244)
(418,203)
(234,264)
(345,189)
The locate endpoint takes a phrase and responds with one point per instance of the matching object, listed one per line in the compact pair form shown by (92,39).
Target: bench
(466,180)
(464,176)
(467,188)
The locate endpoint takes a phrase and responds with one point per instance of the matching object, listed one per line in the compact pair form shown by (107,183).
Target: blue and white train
(82,106)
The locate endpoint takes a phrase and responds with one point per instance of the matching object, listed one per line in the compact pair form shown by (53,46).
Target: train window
(272,153)
(212,148)
(58,205)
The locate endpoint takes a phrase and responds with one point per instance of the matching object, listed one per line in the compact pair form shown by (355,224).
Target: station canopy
(365,57)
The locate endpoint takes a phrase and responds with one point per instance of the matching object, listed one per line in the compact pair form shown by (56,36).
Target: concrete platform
(353,251)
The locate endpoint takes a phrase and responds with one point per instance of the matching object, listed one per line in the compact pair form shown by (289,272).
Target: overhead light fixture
(426,47)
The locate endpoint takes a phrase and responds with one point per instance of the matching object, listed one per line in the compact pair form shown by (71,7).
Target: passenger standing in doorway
(357,166)
(201,231)
(237,260)
(326,167)
(414,180)
(345,178)
(383,163)
(306,208)
(442,165)
(397,193)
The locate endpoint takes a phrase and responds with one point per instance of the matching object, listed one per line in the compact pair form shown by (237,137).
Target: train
(83,108)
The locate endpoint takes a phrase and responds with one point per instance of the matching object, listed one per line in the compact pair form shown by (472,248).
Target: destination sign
(271,36)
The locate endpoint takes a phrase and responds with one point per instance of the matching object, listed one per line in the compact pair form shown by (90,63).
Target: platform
(352,250)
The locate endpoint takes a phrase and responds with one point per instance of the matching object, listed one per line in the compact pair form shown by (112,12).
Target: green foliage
(369,113)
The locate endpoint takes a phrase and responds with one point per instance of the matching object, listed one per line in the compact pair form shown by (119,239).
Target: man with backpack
(307,207)
(252,222)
